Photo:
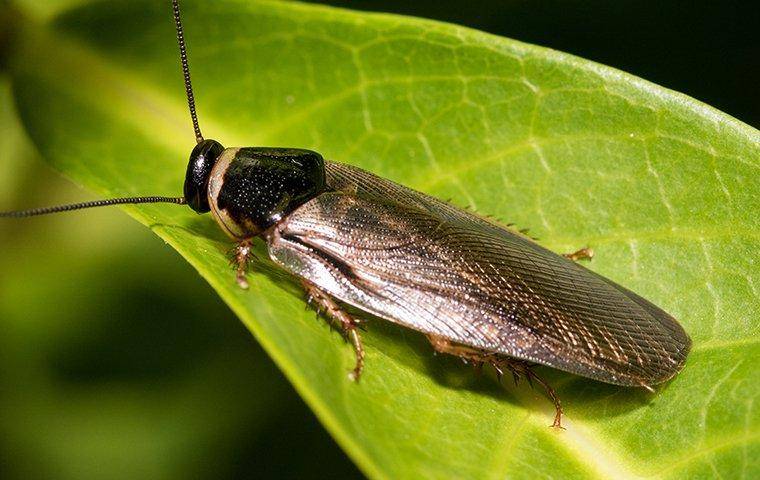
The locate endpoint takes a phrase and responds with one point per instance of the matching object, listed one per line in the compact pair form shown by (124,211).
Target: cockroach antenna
(95,203)
(199,154)
(186,71)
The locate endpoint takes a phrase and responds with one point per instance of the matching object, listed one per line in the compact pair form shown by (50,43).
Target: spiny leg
(347,324)
(582,254)
(520,367)
(242,254)
(500,363)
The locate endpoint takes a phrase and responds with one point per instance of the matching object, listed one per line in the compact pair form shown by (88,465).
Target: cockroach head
(202,161)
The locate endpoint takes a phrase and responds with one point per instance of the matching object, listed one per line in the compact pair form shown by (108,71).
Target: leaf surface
(663,188)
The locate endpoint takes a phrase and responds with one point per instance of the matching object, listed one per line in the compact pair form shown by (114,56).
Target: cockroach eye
(202,161)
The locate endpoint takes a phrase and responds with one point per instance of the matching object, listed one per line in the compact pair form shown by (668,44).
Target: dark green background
(113,349)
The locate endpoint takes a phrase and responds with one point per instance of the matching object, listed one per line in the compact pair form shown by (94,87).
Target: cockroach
(478,290)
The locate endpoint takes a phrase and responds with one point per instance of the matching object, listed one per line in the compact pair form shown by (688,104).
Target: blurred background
(105,374)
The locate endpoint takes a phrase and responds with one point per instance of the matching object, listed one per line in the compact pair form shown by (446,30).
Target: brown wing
(422,263)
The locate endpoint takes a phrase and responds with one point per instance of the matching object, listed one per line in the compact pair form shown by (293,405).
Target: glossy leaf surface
(662,187)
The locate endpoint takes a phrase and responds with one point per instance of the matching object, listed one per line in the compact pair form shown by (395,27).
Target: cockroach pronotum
(478,290)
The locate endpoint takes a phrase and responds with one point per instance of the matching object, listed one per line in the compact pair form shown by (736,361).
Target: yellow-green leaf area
(663,188)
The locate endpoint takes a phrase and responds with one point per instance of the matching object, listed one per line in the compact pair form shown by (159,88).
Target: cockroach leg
(242,254)
(530,375)
(325,303)
(518,368)
(521,368)
(356,341)
(582,254)
(469,354)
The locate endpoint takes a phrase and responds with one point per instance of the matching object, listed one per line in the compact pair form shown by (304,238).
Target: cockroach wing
(414,260)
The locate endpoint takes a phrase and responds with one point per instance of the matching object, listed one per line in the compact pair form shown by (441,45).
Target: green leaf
(662,187)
